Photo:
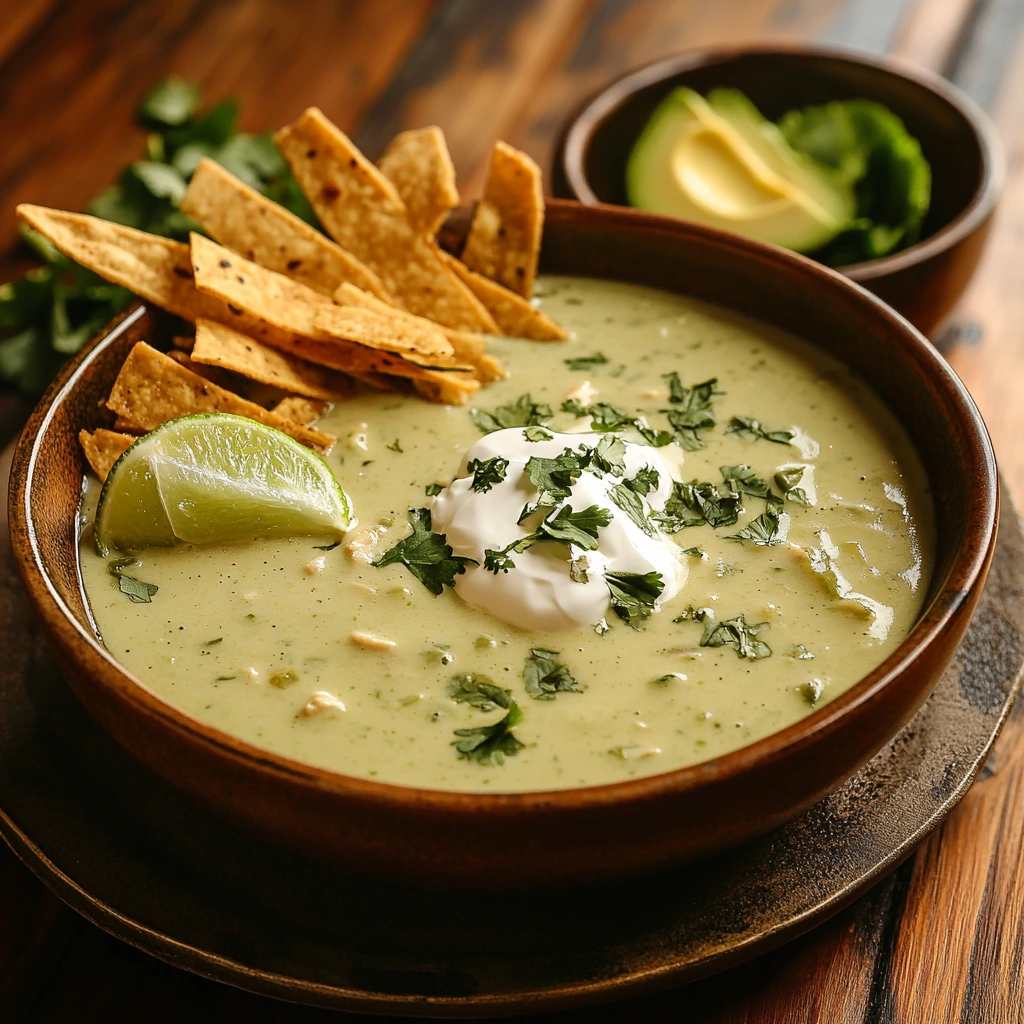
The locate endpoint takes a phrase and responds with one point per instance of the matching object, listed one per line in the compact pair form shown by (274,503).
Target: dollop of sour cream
(539,593)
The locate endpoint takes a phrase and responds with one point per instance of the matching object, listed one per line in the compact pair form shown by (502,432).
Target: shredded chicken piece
(356,437)
(315,565)
(321,701)
(371,642)
(585,393)
(363,546)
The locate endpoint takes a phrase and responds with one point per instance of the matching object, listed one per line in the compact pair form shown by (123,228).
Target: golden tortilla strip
(363,212)
(152,388)
(240,218)
(103,448)
(418,164)
(291,308)
(301,410)
(504,239)
(514,315)
(220,346)
(449,391)
(211,373)
(126,426)
(158,269)
(467,346)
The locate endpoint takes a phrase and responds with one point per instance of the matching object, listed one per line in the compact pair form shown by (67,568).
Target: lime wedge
(213,478)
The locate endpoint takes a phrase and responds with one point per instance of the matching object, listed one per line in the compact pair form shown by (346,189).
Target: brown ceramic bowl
(580,834)
(924,281)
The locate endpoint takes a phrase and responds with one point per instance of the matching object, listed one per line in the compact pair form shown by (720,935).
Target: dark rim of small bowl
(573,146)
(968,565)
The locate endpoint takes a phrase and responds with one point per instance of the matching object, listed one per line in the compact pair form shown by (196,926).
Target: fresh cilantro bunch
(48,314)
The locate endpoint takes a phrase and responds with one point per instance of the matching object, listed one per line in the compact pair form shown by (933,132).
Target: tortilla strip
(468,347)
(152,388)
(515,316)
(301,410)
(240,218)
(210,373)
(504,239)
(292,308)
(420,167)
(362,211)
(158,269)
(220,346)
(103,448)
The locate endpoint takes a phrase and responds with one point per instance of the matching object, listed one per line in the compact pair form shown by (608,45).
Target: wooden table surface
(942,939)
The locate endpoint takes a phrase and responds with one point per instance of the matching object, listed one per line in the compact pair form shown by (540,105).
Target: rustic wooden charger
(146,864)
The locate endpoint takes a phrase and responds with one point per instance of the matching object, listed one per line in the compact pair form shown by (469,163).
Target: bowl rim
(573,144)
(968,567)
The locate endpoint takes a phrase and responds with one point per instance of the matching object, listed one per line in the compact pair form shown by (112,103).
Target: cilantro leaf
(487,472)
(137,591)
(697,504)
(605,418)
(553,479)
(738,634)
(432,490)
(694,410)
(479,691)
(491,744)
(426,554)
(634,595)
(537,434)
(764,531)
(576,528)
(169,104)
(633,505)
(608,457)
(545,677)
(586,362)
(750,430)
(645,481)
(741,479)
(523,413)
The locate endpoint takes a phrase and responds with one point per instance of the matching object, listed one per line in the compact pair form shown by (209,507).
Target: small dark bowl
(572,835)
(924,281)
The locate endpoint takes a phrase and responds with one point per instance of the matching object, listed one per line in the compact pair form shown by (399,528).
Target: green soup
(320,656)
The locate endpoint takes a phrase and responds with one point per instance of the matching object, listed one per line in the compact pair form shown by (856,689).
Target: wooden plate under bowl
(151,866)
(924,281)
(577,835)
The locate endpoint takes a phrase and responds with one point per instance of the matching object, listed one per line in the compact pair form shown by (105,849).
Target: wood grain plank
(21,20)
(67,94)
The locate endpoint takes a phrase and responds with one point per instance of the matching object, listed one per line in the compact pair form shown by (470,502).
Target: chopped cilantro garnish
(326,547)
(634,595)
(799,652)
(553,479)
(738,634)
(764,531)
(605,418)
(692,410)
(696,504)
(645,481)
(742,479)
(487,472)
(426,554)
(565,526)
(523,413)
(586,362)
(608,457)
(696,552)
(545,677)
(579,569)
(433,490)
(633,505)
(137,591)
(395,446)
(750,430)
(787,480)
(491,744)
(537,434)
(479,691)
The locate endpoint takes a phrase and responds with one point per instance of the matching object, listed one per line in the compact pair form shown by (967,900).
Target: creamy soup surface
(244,636)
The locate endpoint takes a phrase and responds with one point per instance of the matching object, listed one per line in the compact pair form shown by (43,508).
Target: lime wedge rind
(216,478)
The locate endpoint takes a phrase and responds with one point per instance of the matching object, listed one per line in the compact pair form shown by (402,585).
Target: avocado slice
(719,162)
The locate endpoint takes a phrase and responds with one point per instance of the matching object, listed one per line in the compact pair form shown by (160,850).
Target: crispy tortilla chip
(240,218)
(418,164)
(124,425)
(504,238)
(210,373)
(103,448)
(362,211)
(447,390)
(152,388)
(220,346)
(301,410)
(515,316)
(293,309)
(158,269)
(467,347)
